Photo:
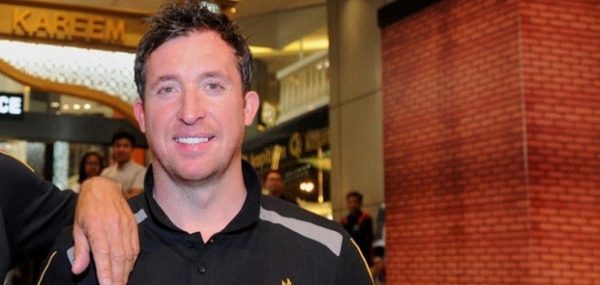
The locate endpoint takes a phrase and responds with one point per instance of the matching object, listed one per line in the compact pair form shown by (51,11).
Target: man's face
(195,111)
(353,203)
(122,150)
(274,183)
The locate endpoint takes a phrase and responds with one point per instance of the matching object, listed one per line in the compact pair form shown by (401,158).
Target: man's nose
(193,107)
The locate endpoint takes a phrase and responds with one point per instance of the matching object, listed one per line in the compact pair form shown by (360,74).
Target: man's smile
(192,140)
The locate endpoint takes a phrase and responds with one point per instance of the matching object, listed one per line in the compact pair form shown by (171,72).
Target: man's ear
(138,111)
(251,102)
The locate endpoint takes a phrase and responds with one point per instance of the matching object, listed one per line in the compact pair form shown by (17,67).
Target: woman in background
(91,165)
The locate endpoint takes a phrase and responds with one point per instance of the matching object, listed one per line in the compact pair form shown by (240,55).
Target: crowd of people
(123,168)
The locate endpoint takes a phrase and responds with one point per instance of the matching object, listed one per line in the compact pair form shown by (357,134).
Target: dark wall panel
(70,128)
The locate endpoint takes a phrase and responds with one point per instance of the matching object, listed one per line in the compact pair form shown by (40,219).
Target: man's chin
(192,175)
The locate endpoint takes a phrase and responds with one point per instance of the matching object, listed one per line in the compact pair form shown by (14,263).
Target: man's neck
(206,208)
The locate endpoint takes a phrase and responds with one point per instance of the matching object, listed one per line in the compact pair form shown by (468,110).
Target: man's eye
(214,86)
(165,90)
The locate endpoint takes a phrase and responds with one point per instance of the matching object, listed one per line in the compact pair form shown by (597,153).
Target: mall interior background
(475,121)
(320,118)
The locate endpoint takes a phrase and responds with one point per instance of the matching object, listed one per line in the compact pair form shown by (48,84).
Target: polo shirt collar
(246,218)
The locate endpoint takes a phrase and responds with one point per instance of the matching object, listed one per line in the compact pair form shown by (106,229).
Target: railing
(304,86)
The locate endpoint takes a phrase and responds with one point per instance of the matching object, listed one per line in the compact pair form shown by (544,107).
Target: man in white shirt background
(125,170)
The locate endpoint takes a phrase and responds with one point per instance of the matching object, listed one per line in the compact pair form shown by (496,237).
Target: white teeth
(191,140)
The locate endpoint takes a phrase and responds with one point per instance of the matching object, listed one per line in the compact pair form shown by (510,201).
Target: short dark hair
(355,194)
(123,135)
(180,19)
(266,175)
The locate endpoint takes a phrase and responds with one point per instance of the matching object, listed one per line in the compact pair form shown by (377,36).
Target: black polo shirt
(270,241)
(32,213)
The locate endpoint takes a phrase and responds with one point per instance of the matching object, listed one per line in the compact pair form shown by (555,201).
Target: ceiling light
(213,7)
(307,187)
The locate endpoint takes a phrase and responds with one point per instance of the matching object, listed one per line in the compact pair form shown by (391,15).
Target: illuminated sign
(11,105)
(66,25)
(73,25)
(298,145)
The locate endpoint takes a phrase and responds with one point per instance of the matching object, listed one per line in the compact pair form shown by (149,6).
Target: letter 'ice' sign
(11,105)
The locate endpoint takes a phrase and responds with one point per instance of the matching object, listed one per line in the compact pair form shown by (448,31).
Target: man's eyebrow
(215,75)
(162,79)
(211,74)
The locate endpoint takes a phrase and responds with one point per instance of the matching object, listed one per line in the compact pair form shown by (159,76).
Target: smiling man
(202,217)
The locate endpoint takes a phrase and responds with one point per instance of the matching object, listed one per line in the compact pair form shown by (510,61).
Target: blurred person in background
(91,165)
(378,265)
(359,224)
(274,183)
(124,169)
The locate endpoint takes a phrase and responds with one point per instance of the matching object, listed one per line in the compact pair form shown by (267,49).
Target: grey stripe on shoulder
(329,238)
(70,254)
(140,216)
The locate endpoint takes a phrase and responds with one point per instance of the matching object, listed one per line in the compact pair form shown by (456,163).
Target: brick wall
(561,82)
(492,144)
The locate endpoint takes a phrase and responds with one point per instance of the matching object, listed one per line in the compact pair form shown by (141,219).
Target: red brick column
(492,143)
